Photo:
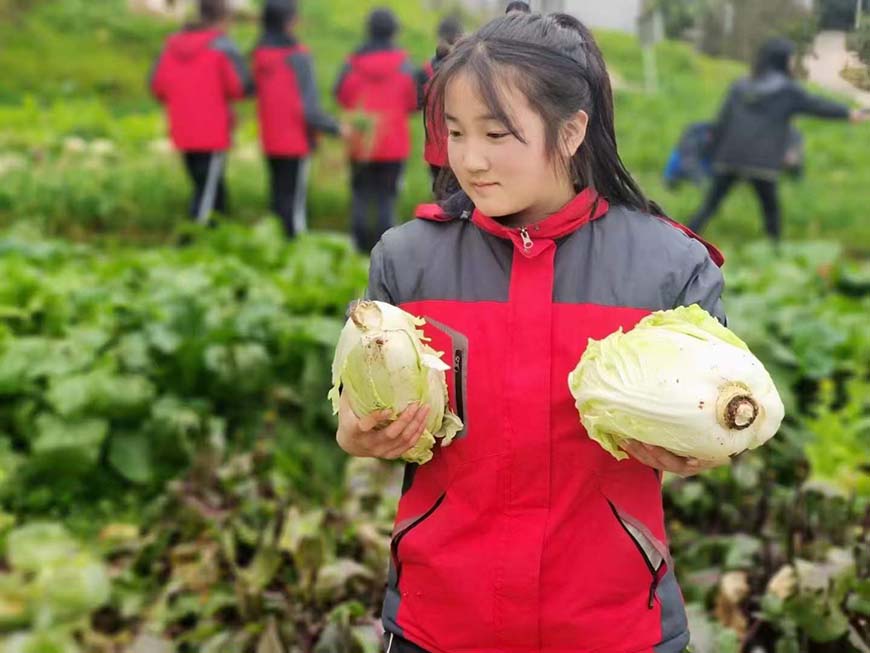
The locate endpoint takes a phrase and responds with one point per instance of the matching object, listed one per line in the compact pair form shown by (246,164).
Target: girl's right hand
(371,437)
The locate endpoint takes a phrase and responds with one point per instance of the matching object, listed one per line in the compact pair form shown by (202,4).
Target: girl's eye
(454,134)
(498,135)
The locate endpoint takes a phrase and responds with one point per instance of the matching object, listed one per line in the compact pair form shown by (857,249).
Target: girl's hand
(372,437)
(662,459)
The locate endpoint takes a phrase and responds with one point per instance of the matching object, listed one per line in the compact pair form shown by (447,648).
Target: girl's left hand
(662,459)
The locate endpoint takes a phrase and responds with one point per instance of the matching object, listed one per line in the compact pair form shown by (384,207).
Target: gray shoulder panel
(625,259)
(300,63)
(225,45)
(409,69)
(441,260)
(628,258)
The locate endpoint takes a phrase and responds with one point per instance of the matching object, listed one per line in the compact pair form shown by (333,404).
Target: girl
(752,133)
(198,74)
(524,535)
(379,81)
(289,111)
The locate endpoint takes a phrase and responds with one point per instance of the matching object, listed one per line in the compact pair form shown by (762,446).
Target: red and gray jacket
(287,102)
(524,535)
(378,80)
(196,76)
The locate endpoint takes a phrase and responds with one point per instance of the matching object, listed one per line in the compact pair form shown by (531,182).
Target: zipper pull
(527,242)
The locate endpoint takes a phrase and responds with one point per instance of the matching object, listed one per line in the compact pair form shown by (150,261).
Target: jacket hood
(189,44)
(269,58)
(376,63)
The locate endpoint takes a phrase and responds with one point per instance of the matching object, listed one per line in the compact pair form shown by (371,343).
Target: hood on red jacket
(380,64)
(189,44)
(270,61)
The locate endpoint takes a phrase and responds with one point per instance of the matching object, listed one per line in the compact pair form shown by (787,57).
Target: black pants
(375,186)
(765,189)
(198,165)
(289,191)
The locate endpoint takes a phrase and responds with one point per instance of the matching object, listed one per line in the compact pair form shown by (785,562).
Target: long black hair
(774,56)
(555,62)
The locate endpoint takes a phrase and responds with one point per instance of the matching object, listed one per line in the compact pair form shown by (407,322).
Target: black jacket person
(751,134)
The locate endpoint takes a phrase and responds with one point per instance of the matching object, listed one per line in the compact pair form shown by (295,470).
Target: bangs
(487,77)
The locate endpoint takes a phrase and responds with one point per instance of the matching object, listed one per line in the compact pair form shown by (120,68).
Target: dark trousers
(198,165)
(375,186)
(288,179)
(765,189)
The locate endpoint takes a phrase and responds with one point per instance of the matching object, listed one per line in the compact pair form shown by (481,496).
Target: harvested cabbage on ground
(678,380)
(382,362)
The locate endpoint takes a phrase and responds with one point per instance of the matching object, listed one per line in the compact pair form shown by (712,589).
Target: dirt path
(829,59)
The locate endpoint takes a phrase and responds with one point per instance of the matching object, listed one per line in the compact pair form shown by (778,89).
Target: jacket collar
(588,205)
(584,208)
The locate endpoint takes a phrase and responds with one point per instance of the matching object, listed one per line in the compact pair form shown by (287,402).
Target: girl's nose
(473,160)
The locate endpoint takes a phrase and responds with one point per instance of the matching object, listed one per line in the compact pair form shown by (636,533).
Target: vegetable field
(169,478)
(167,451)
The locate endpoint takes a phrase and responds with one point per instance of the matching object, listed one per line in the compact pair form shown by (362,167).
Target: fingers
(408,417)
(659,458)
(371,421)
(411,434)
(637,451)
(365,423)
(372,436)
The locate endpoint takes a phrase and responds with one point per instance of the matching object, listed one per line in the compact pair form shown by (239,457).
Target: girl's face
(504,177)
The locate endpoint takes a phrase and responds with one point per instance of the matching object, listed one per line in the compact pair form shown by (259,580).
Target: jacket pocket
(402,530)
(454,346)
(652,550)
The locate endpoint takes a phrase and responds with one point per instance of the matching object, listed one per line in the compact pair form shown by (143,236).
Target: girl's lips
(480,185)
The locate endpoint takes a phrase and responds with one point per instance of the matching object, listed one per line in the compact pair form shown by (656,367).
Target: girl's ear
(574,133)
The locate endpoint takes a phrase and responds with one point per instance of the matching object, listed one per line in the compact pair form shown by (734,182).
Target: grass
(90,84)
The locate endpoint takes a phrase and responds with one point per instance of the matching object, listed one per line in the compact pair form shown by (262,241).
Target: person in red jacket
(435,153)
(525,535)
(378,84)
(198,74)
(289,111)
